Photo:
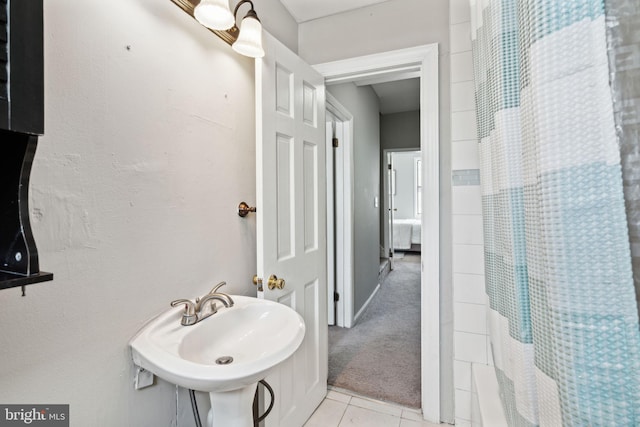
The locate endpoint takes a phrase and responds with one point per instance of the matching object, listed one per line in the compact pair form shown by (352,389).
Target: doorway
(402,203)
(379,357)
(423,61)
(339,135)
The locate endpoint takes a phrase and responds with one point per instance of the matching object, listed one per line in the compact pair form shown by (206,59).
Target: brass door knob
(244,209)
(258,282)
(274,282)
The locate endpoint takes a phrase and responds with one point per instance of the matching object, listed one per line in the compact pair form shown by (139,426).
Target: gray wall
(149,148)
(391,25)
(362,103)
(276,20)
(400,130)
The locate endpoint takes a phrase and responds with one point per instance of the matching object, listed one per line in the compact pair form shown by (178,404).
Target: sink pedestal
(232,408)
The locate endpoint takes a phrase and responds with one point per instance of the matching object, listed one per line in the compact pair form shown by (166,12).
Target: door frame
(387,212)
(388,186)
(342,226)
(422,62)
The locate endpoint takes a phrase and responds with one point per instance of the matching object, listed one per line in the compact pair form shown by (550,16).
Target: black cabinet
(18,254)
(21,121)
(21,66)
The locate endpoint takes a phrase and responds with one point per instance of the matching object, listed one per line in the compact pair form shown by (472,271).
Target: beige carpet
(380,356)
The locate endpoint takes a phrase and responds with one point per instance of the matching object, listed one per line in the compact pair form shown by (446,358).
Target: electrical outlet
(143,379)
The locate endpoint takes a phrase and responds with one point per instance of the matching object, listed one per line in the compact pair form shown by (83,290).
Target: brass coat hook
(244,209)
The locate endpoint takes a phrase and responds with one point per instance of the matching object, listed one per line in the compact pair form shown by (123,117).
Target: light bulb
(214,14)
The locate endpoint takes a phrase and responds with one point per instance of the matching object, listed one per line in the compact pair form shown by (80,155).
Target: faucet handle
(190,308)
(216,287)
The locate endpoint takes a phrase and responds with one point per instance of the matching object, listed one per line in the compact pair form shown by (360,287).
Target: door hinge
(336,143)
(389,166)
(390,253)
(336,297)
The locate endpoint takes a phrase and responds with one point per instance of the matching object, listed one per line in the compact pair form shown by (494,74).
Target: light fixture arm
(252,13)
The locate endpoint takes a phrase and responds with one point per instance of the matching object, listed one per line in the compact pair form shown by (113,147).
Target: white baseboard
(366,304)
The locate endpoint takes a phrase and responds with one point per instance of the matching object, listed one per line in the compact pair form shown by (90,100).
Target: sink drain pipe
(194,407)
(256,417)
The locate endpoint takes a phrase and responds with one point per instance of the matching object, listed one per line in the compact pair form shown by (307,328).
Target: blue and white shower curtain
(558,107)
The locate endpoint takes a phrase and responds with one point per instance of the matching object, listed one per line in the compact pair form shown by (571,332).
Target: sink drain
(224,360)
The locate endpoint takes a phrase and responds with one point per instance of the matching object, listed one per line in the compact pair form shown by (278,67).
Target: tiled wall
(470,324)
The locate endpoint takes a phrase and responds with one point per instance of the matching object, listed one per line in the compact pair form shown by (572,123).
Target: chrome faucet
(197,311)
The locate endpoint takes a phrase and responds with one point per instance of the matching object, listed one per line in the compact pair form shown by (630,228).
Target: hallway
(380,356)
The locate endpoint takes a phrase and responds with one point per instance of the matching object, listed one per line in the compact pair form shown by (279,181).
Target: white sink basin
(258,334)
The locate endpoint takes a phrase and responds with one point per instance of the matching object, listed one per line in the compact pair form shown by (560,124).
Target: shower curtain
(558,109)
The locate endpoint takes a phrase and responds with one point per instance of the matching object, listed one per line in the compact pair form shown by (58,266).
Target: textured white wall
(149,148)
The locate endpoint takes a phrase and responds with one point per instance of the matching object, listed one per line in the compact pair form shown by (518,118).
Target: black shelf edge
(9,280)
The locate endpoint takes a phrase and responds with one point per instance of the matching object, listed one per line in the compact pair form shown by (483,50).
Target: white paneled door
(291,220)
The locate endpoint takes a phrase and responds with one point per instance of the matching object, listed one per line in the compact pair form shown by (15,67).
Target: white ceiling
(306,10)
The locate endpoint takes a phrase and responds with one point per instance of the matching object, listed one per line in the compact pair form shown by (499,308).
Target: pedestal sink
(225,354)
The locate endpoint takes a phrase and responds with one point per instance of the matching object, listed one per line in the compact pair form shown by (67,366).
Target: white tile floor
(342,409)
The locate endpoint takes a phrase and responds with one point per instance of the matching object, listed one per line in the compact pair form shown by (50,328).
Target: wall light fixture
(216,15)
